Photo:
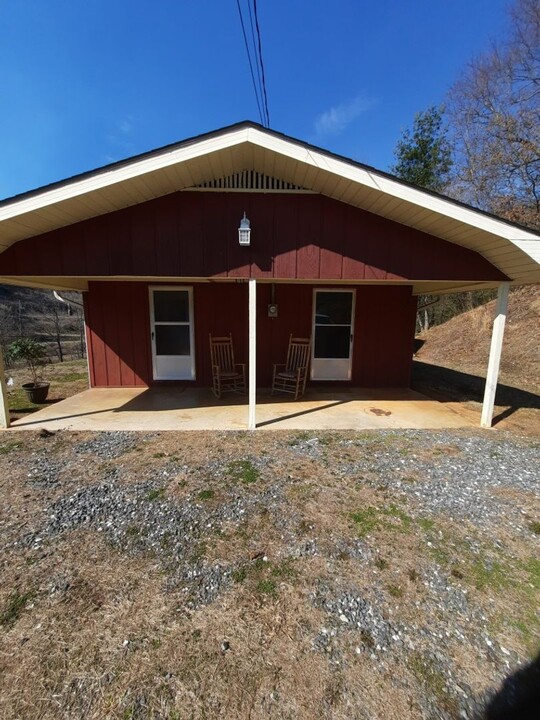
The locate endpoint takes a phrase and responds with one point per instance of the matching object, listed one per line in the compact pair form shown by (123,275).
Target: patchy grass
(115,633)
(19,403)
(534,527)
(371,519)
(366,521)
(243,471)
(71,377)
(434,681)
(267,587)
(532,568)
(15,605)
(11,446)
(396,591)
(67,379)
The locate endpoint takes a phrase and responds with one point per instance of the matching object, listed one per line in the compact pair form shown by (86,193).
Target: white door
(171,320)
(333,322)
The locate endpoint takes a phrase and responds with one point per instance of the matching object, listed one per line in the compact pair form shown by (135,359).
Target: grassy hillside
(451,366)
(26,312)
(463,342)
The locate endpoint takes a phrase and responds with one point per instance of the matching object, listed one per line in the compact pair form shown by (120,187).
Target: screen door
(171,320)
(333,322)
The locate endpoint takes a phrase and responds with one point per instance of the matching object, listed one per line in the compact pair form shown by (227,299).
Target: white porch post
(252,384)
(495,355)
(4,410)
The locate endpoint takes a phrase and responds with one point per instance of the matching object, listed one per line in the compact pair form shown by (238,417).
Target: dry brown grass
(453,363)
(101,634)
(463,342)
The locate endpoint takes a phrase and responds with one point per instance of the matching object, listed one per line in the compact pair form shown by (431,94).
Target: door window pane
(171,305)
(332,342)
(172,340)
(333,308)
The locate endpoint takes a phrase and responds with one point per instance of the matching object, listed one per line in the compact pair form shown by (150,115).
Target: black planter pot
(36,392)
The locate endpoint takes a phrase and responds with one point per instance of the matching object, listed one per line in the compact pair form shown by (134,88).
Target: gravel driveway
(396,572)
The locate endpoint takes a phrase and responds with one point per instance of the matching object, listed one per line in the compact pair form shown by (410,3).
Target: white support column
(252,383)
(495,355)
(4,409)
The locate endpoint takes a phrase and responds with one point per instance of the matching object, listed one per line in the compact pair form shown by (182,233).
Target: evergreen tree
(424,155)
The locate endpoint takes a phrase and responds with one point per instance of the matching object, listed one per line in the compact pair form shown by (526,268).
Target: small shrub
(206,495)
(156,494)
(381,563)
(535,527)
(32,353)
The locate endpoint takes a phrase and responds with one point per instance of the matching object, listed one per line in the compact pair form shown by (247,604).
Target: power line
(261,63)
(257,57)
(258,77)
(250,63)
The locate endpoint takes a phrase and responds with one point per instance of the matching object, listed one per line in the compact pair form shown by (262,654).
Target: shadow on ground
(447,385)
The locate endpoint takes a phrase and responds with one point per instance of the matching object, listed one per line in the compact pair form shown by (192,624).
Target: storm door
(171,322)
(333,322)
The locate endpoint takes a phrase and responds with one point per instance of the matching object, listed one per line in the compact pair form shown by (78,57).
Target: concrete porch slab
(197,409)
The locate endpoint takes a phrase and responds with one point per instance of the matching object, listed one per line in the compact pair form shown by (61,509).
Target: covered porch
(180,408)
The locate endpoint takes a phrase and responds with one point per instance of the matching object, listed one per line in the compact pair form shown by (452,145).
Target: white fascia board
(305,155)
(113,176)
(393,188)
(531,247)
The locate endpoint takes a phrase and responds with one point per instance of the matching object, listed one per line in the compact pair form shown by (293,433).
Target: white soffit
(513,250)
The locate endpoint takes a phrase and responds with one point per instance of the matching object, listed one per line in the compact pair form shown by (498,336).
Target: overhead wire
(258,76)
(250,63)
(263,78)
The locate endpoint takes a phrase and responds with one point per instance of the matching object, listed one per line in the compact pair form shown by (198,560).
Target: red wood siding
(118,330)
(118,334)
(195,234)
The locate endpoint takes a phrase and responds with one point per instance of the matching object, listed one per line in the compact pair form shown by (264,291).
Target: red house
(338,251)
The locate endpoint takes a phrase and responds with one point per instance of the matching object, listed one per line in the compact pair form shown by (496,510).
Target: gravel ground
(465,503)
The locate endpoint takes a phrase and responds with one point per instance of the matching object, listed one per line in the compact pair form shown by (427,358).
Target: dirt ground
(283,575)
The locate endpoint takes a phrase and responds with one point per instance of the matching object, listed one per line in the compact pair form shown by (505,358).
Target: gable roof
(248,146)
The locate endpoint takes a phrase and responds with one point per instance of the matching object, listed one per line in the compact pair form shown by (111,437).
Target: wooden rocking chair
(227,376)
(291,377)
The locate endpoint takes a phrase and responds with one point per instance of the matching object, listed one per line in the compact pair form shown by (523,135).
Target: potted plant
(34,355)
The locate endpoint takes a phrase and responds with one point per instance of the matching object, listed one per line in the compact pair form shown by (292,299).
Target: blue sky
(87,83)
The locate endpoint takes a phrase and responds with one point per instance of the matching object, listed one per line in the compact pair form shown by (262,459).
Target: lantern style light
(244,231)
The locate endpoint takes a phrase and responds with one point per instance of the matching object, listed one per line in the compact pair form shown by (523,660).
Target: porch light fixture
(244,231)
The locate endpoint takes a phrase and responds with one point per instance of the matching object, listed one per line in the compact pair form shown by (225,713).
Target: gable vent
(249,180)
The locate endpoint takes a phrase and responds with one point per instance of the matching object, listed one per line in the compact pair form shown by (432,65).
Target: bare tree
(494,110)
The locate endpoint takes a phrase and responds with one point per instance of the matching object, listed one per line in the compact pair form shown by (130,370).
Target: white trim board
(248,146)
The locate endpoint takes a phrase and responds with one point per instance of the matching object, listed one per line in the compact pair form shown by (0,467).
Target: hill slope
(463,342)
